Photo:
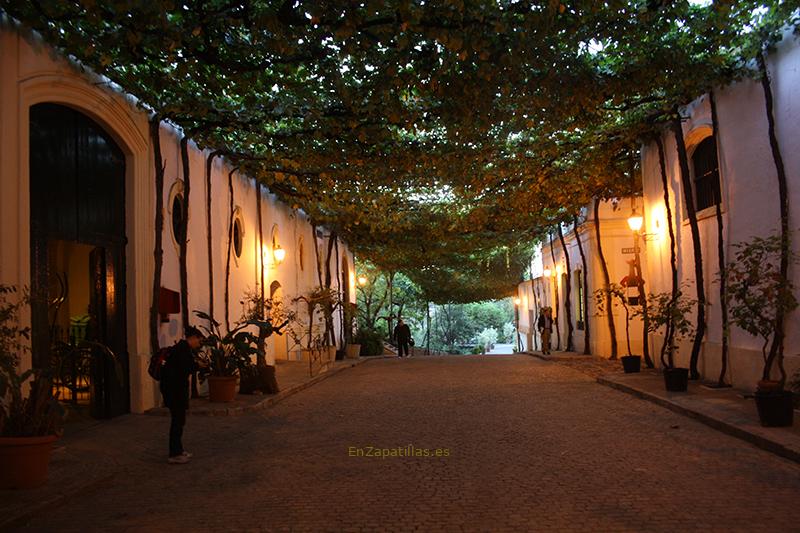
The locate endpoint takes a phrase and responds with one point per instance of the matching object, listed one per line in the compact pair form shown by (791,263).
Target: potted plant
(353,348)
(370,341)
(756,294)
(320,302)
(671,314)
(630,363)
(224,357)
(28,424)
(263,313)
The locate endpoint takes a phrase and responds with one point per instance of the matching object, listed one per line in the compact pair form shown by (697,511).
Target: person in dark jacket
(179,367)
(402,335)
(545,326)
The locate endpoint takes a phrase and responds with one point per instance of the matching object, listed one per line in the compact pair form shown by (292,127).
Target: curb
(715,423)
(270,400)
(11,522)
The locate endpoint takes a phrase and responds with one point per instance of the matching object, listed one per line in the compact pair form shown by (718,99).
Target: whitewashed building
(78,212)
(551,276)
(740,164)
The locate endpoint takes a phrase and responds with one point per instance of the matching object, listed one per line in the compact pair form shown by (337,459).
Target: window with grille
(706,174)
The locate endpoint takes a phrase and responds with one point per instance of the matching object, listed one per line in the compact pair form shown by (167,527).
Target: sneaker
(187,454)
(178,460)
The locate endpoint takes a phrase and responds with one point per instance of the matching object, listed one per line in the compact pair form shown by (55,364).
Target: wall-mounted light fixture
(362,280)
(279,253)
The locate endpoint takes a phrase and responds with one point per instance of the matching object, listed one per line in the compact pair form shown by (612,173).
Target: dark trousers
(402,347)
(177,421)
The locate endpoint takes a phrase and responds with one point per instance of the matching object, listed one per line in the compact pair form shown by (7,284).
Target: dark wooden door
(77,190)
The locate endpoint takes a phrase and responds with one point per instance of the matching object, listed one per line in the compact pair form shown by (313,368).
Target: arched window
(177,212)
(706,174)
(237,233)
(301,254)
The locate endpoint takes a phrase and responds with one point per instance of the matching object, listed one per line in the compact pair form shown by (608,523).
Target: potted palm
(630,363)
(224,357)
(28,424)
(756,294)
(670,314)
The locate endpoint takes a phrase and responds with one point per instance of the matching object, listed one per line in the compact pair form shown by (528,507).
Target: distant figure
(545,326)
(402,335)
(179,367)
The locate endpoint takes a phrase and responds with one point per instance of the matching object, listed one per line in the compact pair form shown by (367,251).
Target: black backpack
(157,363)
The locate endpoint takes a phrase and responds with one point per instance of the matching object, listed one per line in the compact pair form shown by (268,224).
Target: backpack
(157,363)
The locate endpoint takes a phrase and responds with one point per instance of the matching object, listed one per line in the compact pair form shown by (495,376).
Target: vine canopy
(438,138)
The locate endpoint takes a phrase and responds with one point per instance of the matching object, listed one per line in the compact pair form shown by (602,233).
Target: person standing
(402,335)
(179,367)
(545,326)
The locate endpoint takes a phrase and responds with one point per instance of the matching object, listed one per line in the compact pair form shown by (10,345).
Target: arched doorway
(279,341)
(77,205)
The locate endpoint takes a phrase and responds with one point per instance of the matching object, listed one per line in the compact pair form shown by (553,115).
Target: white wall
(32,74)
(749,201)
(539,292)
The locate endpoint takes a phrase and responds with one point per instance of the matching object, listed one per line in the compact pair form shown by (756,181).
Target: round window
(237,237)
(178,219)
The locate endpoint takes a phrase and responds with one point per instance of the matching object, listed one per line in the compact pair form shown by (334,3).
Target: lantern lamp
(279,253)
(635,221)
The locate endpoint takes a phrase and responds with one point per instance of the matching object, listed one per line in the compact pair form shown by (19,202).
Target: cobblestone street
(525,445)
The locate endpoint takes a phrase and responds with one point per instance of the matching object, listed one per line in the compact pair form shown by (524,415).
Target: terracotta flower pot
(353,351)
(221,389)
(24,461)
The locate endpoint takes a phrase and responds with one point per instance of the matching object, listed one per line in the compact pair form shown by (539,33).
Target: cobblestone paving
(533,446)
(588,364)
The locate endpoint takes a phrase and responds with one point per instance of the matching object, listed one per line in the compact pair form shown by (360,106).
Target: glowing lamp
(547,272)
(635,221)
(362,280)
(279,254)
(517,301)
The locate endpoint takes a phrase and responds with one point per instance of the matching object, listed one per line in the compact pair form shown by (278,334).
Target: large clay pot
(353,351)
(24,461)
(221,389)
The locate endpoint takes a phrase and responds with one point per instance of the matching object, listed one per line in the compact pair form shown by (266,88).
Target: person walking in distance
(545,326)
(180,365)
(402,335)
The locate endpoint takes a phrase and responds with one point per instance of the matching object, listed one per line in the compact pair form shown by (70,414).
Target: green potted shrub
(371,342)
(224,357)
(671,315)
(353,349)
(630,363)
(756,293)
(29,424)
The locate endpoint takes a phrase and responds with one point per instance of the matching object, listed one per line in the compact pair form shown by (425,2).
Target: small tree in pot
(265,313)
(28,424)
(630,363)
(757,293)
(224,357)
(671,314)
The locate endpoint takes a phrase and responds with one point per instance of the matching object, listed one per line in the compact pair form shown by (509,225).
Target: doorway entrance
(77,191)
